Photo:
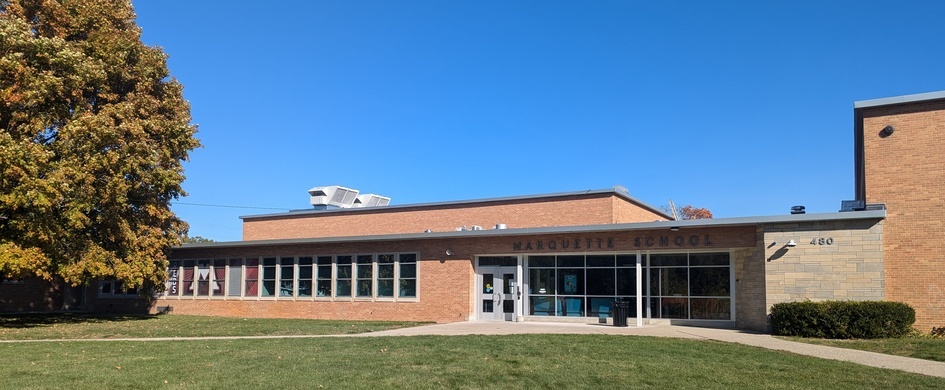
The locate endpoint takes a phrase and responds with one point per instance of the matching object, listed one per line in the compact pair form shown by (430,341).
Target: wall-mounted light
(674,229)
(791,244)
(887,131)
(449,252)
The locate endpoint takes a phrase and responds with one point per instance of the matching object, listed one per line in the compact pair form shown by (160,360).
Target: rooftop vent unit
(852,205)
(370,200)
(798,210)
(332,196)
(875,206)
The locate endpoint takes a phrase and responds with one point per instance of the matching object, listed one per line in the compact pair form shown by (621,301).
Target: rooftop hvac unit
(371,200)
(852,205)
(335,196)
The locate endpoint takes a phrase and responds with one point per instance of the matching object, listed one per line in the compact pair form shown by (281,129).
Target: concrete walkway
(918,366)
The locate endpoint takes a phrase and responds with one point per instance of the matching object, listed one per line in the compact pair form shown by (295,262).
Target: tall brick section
(906,171)
(588,208)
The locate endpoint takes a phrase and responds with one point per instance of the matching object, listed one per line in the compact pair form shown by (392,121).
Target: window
(269,277)
(203,278)
(219,277)
(324,276)
(252,277)
(407,287)
(385,275)
(305,277)
(114,289)
(365,275)
(173,279)
(233,283)
(287,277)
(188,278)
(343,280)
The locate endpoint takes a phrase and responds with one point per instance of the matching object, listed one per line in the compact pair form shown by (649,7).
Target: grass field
(87,326)
(515,361)
(916,347)
(420,362)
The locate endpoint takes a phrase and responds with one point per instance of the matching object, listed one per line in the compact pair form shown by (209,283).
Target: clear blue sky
(745,108)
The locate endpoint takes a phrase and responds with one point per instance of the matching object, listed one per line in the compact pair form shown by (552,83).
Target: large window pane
(711,308)
(571,281)
(674,282)
(600,261)
(252,277)
(709,281)
(674,260)
(173,279)
(541,306)
(696,259)
(600,307)
(188,278)
(627,281)
(541,261)
(570,261)
(571,307)
(600,281)
(203,278)
(674,308)
(541,281)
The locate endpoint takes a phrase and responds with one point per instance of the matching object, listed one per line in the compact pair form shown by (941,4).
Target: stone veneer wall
(849,268)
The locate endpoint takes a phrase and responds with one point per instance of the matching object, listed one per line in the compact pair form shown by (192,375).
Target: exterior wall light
(791,244)
(887,131)
(449,252)
(674,229)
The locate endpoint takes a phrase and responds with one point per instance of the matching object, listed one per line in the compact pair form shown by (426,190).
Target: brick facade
(906,171)
(592,209)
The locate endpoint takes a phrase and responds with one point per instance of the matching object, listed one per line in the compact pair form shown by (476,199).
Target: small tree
(687,212)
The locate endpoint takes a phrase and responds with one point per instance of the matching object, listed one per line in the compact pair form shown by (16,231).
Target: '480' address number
(822,241)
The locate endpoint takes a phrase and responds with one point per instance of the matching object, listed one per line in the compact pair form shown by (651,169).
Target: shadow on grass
(33,320)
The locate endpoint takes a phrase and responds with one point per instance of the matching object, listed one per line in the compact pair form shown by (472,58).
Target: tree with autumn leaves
(93,133)
(688,212)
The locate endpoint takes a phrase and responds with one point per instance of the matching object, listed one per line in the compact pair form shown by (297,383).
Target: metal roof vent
(370,200)
(332,196)
(852,205)
(798,210)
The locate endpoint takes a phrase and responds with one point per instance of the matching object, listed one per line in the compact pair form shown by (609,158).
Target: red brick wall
(445,283)
(31,295)
(563,211)
(906,171)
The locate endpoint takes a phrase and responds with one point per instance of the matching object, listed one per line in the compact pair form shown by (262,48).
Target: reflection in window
(408,275)
(269,277)
(365,275)
(305,277)
(343,280)
(324,276)
(385,275)
(286,277)
(219,277)
(252,277)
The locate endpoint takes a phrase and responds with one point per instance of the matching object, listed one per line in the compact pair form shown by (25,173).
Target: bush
(842,319)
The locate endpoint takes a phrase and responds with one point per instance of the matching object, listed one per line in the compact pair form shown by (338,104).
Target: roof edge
(685,224)
(888,101)
(617,190)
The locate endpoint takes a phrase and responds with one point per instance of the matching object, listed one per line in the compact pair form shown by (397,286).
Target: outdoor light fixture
(674,228)
(449,252)
(791,244)
(887,131)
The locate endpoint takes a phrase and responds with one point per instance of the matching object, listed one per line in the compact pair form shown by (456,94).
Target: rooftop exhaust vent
(798,210)
(370,200)
(332,196)
(852,205)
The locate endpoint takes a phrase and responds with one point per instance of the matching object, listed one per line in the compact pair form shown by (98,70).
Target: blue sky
(743,107)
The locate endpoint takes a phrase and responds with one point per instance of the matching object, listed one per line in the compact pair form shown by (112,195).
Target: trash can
(620,313)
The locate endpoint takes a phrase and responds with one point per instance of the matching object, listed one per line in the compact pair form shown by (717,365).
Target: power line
(231,207)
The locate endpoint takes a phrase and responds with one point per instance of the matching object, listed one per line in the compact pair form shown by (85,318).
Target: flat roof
(919,97)
(685,224)
(616,190)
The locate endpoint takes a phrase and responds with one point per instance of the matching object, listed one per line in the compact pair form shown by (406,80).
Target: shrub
(842,319)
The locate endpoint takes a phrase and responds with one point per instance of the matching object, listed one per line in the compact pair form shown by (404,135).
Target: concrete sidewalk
(918,366)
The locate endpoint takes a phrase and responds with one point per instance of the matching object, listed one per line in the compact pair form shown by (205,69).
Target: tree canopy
(688,212)
(93,133)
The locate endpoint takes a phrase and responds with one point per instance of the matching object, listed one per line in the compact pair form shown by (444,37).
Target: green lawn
(916,347)
(87,326)
(423,362)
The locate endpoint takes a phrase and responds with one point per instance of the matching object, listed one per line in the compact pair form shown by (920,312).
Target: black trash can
(620,313)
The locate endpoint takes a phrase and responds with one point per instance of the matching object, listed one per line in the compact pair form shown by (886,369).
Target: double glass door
(498,293)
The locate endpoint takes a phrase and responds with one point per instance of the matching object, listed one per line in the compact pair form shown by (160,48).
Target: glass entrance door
(498,293)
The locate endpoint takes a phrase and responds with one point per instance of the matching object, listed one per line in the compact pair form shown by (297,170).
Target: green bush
(842,319)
